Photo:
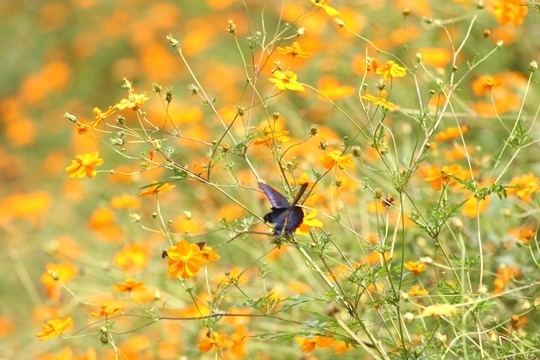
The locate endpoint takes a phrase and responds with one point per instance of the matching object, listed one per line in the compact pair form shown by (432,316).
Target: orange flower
(391,70)
(308,344)
(484,84)
(417,291)
(100,116)
(526,235)
(523,186)
(294,50)
(210,254)
(323,4)
(336,158)
(445,176)
(214,339)
(106,311)
(54,328)
(132,257)
(452,133)
(82,127)
(185,259)
(509,11)
(158,188)
(269,136)
(473,206)
(416,267)
(125,201)
(134,101)
(129,286)
(83,165)
(286,80)
(505,274)
(330,87)
(55,275)
(380,100)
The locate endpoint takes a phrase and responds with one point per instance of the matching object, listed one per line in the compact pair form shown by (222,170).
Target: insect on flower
(286,216)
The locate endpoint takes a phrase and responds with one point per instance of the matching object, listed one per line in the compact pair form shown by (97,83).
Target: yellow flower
(439,310)
(100,116)
(134,101)
(210,254)
(156,188)
(269,135)
(391,70)
(294,50)
(445,176)
(185,259)
(416,267)
(286,80)
(380,100)
(323,4)
(309,220)
(83,165)
(336,158)
(452,133)
(417,291)
(54,328)
(308,344)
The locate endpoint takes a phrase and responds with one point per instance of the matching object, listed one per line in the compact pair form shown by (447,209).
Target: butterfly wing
(277,200)
(278,217)
(294,219)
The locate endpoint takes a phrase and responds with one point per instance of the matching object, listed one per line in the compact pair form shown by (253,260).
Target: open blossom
(337,158)
(54,328)
(106,311)
(214,339)
(286,80)
(391,70)
(510,11)
(134,101)
(269,135)
(437,177)
(294,50)
(416,267)
(158,188)
(309,344)
(185,259)
(323,4)
(129,286)
(83,165)
(380,99)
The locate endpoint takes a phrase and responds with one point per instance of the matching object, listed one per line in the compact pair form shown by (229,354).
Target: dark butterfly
(286,217)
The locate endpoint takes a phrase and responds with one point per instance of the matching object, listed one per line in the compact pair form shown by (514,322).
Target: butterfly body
(286,216)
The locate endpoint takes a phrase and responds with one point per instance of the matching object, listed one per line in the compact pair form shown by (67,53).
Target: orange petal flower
(214,339)
(83,165)
(210,254)
(380,100)
(129,286)
(54,328)
(107,310)
(445,176)
(510,11)
(158,188)
(132,257)
(452,133)
(294,50)
(323,4)
(391,70)
(336,158)
(308,344)
(269,135)
(185,260)
(416,267)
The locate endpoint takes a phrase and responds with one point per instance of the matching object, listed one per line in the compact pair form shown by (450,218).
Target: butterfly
(286,217)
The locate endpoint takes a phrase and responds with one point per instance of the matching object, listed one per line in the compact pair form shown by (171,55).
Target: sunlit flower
(294,50)
(134,101)
(323,4)
(210,254)
(416,267)
(269,136)
(129,286)
(505,274)
(83,165)
(308,344)
(391,70)
(457,152)
(526,235)
(100,116)
(310,220)
(214,339)
(380,100)
(54,328)
(523,186)
(437,177)
(473,206)
(510,11)
(158,188)
(55,275)
(125,201)
(439,310)
(185,259)
(286,80)
(417,291)
(106,311)
(452,133)
(336,157)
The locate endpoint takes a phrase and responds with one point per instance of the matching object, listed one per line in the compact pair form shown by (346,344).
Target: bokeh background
(72,56)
